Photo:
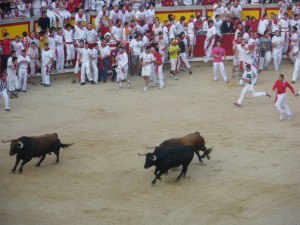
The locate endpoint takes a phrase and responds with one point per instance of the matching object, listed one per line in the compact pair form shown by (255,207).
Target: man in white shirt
(284,30)
(262,25)
(86,62)
(105,57)
(23,61)
(236,10)
(95,56)
(17,46)
(91,35)
(47,58)
(180,25)
(136,45)
(114,15)
(277,44)
(218,9)
(210,40)
(34,55)
(60,50)
(80,17)
(116,31)
(146,60)
(191,35)
(68,35)
(296,53)
(173,30)
(79,33)
(142,27)
(141,14)
(122,68)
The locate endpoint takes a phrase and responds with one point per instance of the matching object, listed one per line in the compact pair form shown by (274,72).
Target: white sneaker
(145,89)
(176,78)
(290,117)
(161,87)
(119,87)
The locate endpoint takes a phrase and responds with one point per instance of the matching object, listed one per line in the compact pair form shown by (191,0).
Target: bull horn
(21,145)
(150,147)
(6,141)
(154,158)
(141,154)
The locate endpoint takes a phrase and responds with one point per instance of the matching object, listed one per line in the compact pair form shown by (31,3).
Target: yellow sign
(13,29)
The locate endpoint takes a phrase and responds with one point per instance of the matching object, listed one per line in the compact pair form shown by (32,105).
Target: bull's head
(150,160)
(15,146)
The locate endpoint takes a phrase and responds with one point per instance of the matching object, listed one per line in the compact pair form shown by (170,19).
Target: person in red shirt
(280,86)
(6,47)
(71,6)
(253,24)
(158,65)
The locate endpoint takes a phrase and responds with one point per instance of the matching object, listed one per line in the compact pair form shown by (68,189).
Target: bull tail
(206,153)
(150,147)
(65,145)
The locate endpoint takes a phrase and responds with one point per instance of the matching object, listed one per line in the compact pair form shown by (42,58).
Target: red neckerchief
(191,21)
(123,12)
(116,11)
(80,16)
(284,19)
(89,29)
(132,26)
(129,10)
(27,7)
(104,13)
(17,14)
(235,6)
(262,19)
(57,5)
(47,49)
(243,46)
(275,22)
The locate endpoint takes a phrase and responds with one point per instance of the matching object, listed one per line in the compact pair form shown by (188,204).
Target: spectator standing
(44,22)
(114,15)
(146,60)
(136,45)
(80,17)
(34,56)
(17,46)
(102,19)
(218,53)
(296,53)
(105,53)
(284,29)
(218,9)
(277,45)
(265,51)
(191,34)
(86,62)
(236,10)
(122,67)
(283,6)
(60,52)
(263,24)
(150,14)
(6,48)
(210,40)
(47,58)
(23,62)
(227,26)
(3,90)
(173,53)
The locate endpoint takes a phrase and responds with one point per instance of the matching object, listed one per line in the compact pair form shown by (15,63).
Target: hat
(174,41)
(107,34)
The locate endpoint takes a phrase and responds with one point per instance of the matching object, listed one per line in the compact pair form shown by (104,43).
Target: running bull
(195,140)
(166,158)
(27,148)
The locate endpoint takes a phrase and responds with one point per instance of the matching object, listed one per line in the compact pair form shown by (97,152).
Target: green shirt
(171,49)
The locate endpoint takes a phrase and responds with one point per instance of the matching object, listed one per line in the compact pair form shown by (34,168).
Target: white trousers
(277,57)
(52,18)
(250,88)
(13,82)
(264,61)
(219,65)
(33,63)
(5,99)
(173,63)
(160,74)
(296,70)
(282,102)
(95,71)
(153,76)
(122,74)
(208,46)
(60,59)
(70,51)
(183,60)
(45,74)
(85,68)
(285,36)
(89,5)
(23,78)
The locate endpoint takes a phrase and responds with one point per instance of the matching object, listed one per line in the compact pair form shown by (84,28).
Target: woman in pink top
(218,53)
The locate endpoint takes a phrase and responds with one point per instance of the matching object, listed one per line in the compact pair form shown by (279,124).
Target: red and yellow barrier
(14,29)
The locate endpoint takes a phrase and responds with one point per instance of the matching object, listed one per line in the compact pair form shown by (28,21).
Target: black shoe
(104,81)
(7,110)
(47,85)
(11,96)
(92,82)
(24,91)
(190,72)
(16,96)
(42,84)
(293,81)
(73,81)
(82,83)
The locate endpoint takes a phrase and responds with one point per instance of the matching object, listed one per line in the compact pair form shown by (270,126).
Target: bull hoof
(13,171)
(37,165)
(208,157)
(20,172)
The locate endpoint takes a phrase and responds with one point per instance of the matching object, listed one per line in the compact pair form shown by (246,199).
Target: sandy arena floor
(252,177)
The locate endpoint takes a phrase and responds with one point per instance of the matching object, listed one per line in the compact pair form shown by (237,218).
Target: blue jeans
(103,71)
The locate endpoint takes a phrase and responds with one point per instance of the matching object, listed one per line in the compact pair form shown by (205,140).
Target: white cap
(107,34)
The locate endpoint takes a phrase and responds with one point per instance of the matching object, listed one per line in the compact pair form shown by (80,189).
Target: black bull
(27,148)
(194,140)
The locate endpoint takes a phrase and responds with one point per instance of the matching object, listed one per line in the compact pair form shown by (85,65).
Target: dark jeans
(103,71)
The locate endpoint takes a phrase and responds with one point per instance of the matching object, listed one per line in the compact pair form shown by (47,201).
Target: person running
(218,53)
(3,91)
(280,87)
(248,77)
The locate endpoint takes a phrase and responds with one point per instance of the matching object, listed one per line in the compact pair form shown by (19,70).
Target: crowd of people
(142,43)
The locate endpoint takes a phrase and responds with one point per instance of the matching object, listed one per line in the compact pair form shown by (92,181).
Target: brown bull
(194,140)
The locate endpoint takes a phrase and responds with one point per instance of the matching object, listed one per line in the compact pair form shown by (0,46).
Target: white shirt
(141,15)
(241,52)
(276,40)
(188,2)
(237,11)
(179,27)
(122,59)
(156,31)
(147,58)
(85,55)
(295,23)
(296,9)
(68,35)
(23,61)
(79,33)
(218,11)
(46,56)
(191,28)
(32,53)
(173,31)
(105,18)
(218,25)
(51,43)
(123,16)
(150,15)
(113,16)
(246,36)
(59,38)
(250,57)
(105,51)
(130,15)
(95,55)
(274,26)
(262,26)
(283,24)
(142,29)
(117,32)
(18,47)
(78,19)
(294,39)
(136,46)
(90,35)
(145,40)
(211,31)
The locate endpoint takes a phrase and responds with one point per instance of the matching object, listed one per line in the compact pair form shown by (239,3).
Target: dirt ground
(252,177)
